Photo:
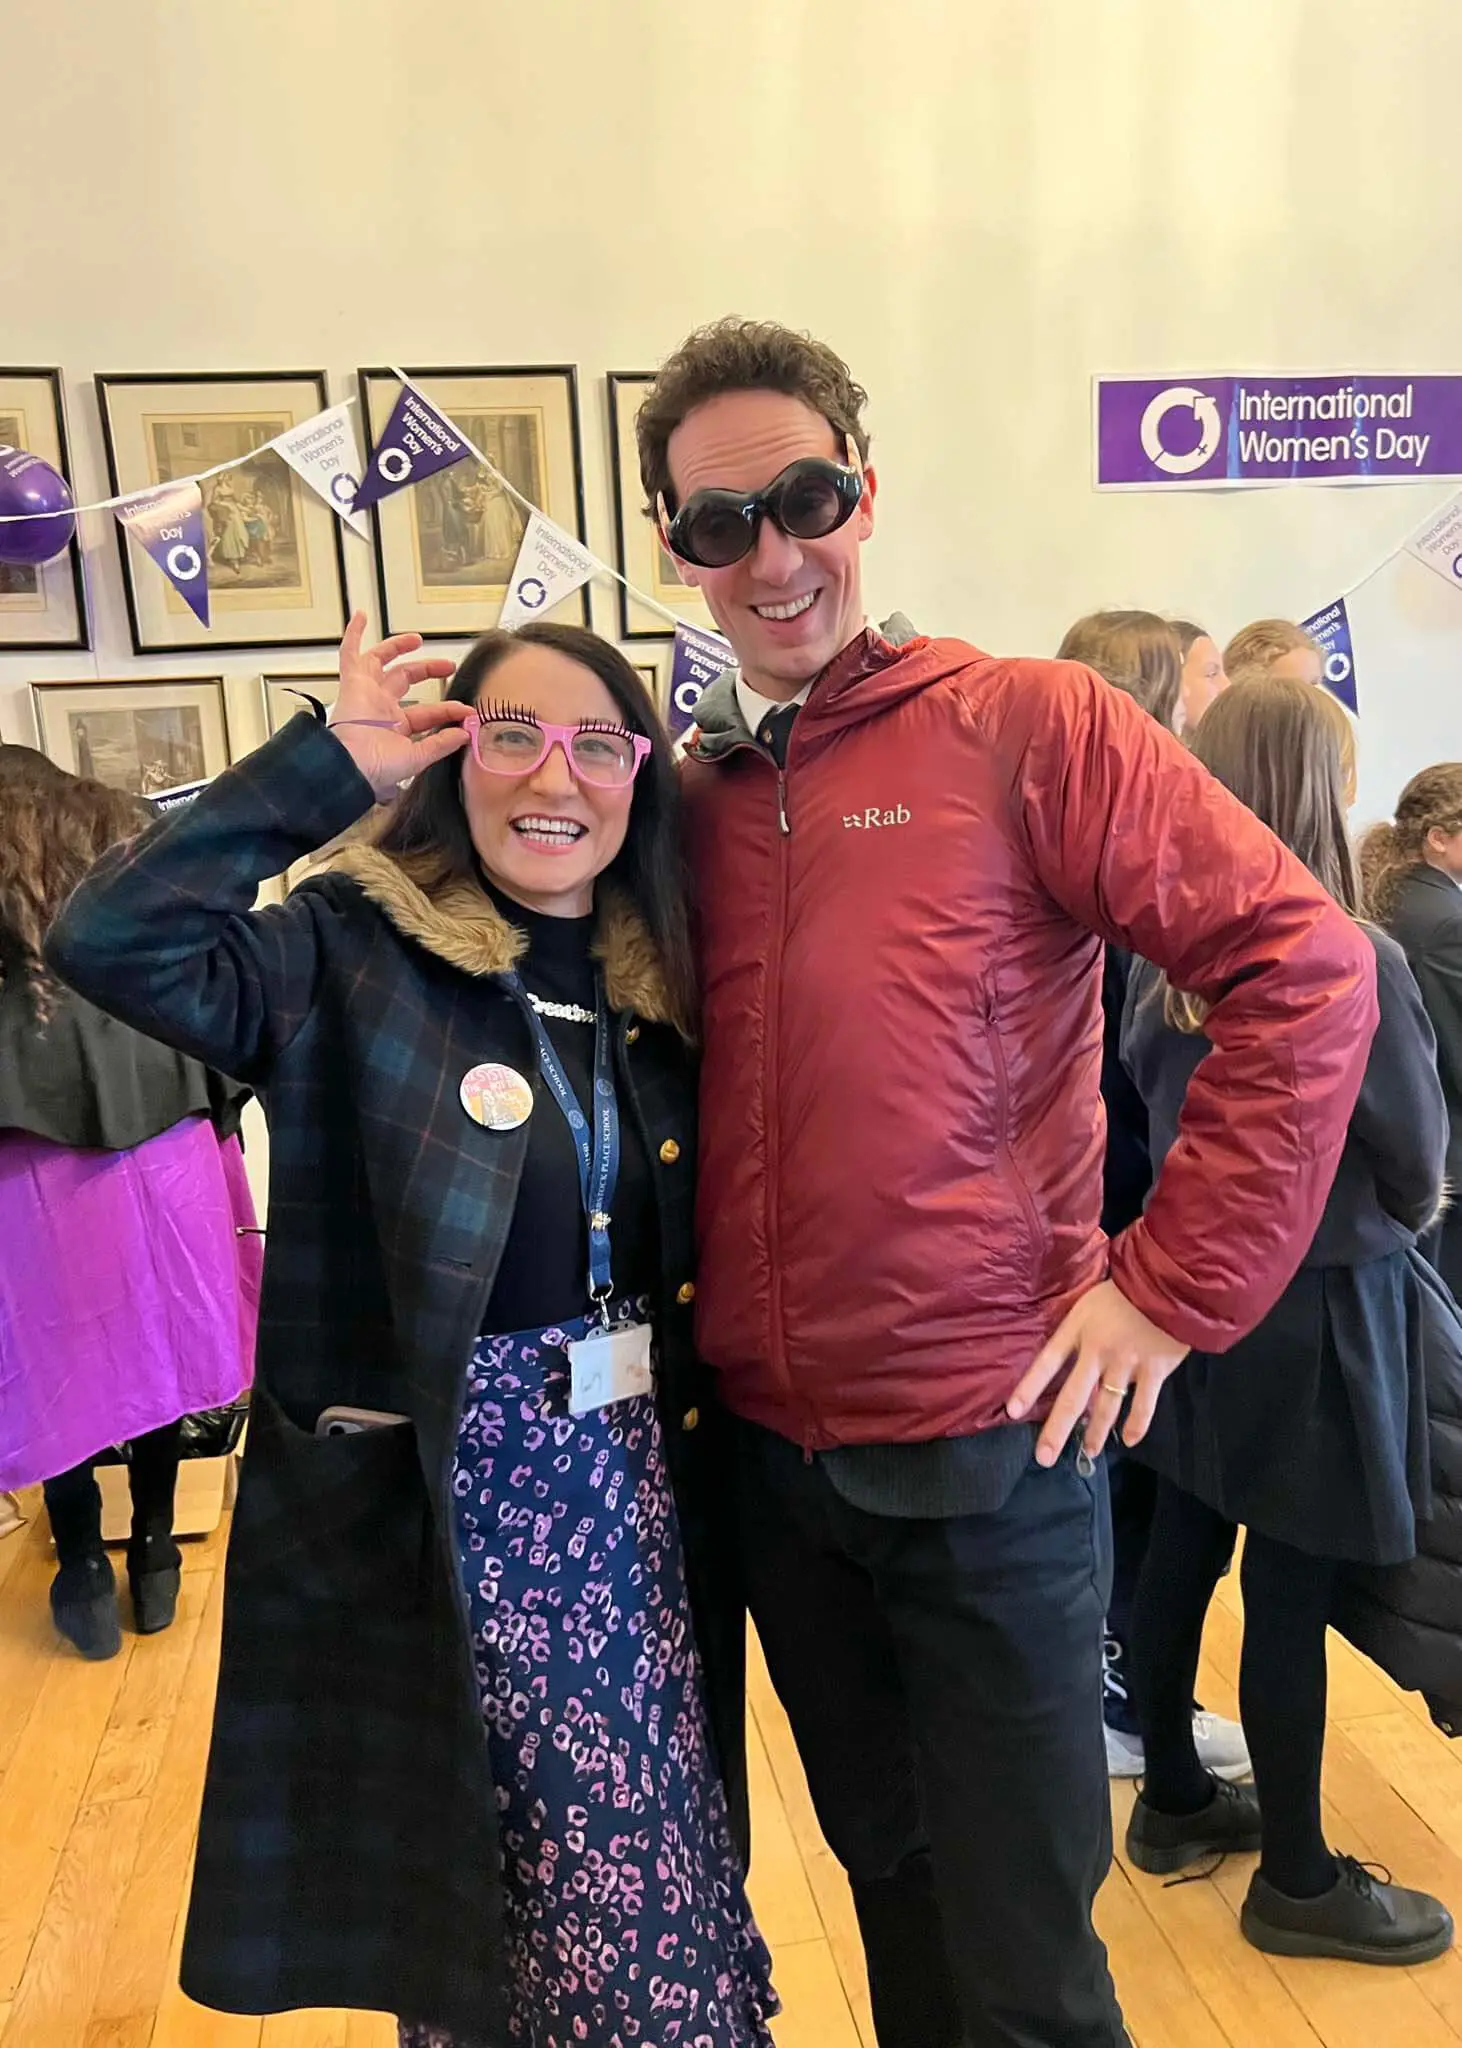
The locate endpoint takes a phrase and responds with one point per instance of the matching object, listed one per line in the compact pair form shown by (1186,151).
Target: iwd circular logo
(184,563)
(343,487)
(1203,418)
(394,465)
(532,593)
(1337,668)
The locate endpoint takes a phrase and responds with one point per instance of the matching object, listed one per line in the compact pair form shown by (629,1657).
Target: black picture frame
(396,616)
(81,642)
(53,696)
(109,382)
(638,553)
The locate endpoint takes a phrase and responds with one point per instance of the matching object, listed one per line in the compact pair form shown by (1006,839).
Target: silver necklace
(570,1013)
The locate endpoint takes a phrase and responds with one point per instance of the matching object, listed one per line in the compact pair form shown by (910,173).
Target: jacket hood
(461,924)
(879,669)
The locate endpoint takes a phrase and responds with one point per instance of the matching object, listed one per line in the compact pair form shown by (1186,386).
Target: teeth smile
(794,610)
(549,831)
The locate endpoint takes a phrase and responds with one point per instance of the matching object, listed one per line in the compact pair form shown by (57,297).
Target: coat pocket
(341,1519)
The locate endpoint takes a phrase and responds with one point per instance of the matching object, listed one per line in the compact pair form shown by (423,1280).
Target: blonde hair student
(1273,647)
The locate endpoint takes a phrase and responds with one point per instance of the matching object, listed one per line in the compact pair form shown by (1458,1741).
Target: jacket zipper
(1002,1119)
(773,1016)
(775,958)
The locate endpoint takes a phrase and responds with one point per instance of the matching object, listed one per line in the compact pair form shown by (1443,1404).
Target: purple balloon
(29,486)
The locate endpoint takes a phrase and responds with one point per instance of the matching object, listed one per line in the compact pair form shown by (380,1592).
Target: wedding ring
(1108,1388)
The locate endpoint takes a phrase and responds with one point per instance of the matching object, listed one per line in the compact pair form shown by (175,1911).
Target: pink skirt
(127,1295)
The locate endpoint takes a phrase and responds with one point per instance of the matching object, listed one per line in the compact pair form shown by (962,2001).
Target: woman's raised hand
(389,741)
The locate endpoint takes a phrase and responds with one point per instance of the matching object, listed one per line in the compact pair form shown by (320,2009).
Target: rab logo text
(874,819)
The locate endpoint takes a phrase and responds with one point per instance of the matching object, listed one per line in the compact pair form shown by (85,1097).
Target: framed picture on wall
(280,705)
(42,605)
(276,561)
(445,548)
(642,558)
(652,675)
(138,736)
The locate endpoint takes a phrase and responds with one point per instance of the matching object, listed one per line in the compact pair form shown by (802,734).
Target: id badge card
(609,1366)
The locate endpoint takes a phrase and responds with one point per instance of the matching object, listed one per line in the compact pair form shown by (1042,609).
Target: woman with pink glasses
(477,1756)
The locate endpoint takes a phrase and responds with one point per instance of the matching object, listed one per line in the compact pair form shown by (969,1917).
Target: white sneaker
(1221,1748)
(1220,1744)
(1124,1754)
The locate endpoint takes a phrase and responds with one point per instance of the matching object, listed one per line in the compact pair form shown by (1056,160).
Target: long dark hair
(427,832)
(1278,746)
(53,825)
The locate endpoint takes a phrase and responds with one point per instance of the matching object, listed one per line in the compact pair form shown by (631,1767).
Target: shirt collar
(755,708)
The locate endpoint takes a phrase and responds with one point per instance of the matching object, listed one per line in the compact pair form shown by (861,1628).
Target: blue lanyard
(598,1152)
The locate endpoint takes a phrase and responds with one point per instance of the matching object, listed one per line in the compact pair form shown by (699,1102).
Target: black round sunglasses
(808,500)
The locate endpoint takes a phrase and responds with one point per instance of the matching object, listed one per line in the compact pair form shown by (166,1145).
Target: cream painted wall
(979,203)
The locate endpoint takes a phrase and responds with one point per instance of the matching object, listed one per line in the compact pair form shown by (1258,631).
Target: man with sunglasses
(907,858)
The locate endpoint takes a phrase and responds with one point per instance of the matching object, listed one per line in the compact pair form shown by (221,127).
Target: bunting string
(601,568)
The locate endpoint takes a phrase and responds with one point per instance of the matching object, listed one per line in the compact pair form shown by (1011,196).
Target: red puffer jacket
(901,1126)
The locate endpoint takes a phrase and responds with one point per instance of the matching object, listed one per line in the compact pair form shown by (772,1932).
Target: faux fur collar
(463,926)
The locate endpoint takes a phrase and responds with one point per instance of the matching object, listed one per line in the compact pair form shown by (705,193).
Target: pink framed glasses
(604,755)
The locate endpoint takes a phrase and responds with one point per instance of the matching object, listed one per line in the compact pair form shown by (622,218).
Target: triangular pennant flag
(698,659)
(417,442)
(323,451)
(168,522)
(1439,543)
(1331,628)
(551,566)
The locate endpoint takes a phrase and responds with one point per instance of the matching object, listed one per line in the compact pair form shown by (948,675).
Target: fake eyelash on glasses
(518,714)
(494,713)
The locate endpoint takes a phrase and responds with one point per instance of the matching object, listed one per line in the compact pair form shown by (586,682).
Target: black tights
(1287,1602)
(74,1504)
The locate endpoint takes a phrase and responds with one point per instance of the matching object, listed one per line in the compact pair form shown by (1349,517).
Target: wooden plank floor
(101,1768)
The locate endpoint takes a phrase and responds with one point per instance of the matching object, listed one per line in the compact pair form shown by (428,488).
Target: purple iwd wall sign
(1239,432)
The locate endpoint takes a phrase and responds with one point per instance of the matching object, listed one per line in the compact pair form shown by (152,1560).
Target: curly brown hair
(743,355)
(1431,801)
(52,827)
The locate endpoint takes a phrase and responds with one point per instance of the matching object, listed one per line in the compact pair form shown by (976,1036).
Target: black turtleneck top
(544,1275)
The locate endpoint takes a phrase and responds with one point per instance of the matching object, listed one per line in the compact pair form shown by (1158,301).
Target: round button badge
(498,1098)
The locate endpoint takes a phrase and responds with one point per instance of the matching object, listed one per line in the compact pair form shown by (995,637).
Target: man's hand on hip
(1114,1350)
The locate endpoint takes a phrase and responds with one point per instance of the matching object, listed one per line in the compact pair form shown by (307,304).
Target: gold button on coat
(669,1152)
(686,1295)
(691,1418)
(632,1034)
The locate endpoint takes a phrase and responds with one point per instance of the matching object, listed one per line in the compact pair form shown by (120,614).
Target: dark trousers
(943,1681)
(74,1502)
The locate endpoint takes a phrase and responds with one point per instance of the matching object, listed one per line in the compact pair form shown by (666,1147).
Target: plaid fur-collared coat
(349,1850)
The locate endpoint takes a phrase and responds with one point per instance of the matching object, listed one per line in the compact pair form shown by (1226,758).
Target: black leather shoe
(84,1607)
(1161,1843)
(1361,1919)
(155,1576)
